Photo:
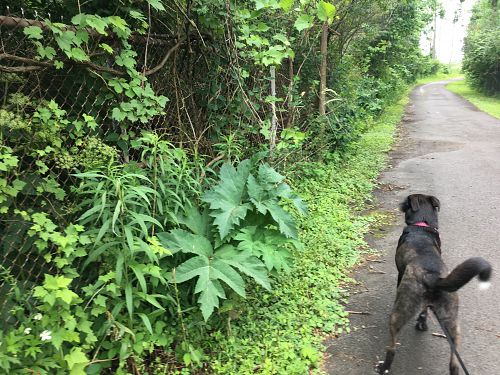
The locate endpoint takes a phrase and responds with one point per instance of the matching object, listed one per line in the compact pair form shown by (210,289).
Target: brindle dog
(423,279)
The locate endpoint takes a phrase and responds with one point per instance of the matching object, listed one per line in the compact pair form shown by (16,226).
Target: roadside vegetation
(482,48)
(481,65)
(181,181)
(487,103)
(445,72)
(282,333)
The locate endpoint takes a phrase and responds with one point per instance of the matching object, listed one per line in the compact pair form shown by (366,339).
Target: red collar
(421,224)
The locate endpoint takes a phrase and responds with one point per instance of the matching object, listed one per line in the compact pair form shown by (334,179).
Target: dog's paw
(421,326)
(380,368)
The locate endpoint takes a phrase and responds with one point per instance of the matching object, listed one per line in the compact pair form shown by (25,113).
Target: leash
(452,344)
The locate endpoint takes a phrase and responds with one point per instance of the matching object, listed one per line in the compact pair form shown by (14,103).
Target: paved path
(450,149)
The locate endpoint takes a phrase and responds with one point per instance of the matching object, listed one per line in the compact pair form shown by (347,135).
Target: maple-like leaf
(267,244)
(198,222)
(266,191)
(227,199)
(186,242)
(246,262)
(210,272)
(213,269)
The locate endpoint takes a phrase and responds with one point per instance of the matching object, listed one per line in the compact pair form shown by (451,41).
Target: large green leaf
(262,193)
(226,199)
(268,244)
(251,240)
(303,22)
(268,176)
(268,191)
(209,297)
(186,242)
(225,272)
(285,221)
(245,262)
(209,273)
(285,192)
(257,194)
(193,267)
(326,11)
(277,258)
(198,222)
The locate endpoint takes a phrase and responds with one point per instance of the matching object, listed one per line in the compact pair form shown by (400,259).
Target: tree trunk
(433,48)
(323,69)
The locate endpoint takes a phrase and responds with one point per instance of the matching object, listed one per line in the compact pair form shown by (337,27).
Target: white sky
(450,36)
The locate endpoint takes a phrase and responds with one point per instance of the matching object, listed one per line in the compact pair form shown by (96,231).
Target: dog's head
(421,208)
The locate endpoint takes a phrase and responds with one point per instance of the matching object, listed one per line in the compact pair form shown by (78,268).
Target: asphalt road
(450,149)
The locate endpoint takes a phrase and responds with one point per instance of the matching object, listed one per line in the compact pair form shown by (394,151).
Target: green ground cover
(488,104)
(447,72)
(282,332)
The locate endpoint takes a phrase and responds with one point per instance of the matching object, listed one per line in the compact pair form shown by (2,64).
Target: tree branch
(19,69)
(89,64)
(8,56)
(165,59)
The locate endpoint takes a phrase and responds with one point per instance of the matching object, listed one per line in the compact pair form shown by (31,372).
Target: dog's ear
(413,200)
(404,206)
(410,202)
(435,202)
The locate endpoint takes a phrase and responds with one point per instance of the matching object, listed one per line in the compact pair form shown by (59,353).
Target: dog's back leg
(454,332)
(408,300)
(447,314)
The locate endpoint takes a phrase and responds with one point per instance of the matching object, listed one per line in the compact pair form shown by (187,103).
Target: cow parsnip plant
(243,230)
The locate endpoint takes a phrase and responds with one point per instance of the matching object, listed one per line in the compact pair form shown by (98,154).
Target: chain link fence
(28,83)
(195,72)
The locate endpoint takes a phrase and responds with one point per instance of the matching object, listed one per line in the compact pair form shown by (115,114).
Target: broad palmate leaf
(267,244)
(198,222)
(221,267)
(266,192)
(246,262)
(181,240)
(226,199)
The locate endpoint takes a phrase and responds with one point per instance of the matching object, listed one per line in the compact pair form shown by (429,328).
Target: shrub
(481,62)
(150,243)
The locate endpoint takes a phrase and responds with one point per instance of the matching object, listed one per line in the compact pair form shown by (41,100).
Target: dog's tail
(463,273)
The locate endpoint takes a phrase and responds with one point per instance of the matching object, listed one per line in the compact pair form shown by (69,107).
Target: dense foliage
(143,153)
(482,48)
(282,333)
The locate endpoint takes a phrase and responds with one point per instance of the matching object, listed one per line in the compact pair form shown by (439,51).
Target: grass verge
(488,104)
(282,332)
(451,72)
